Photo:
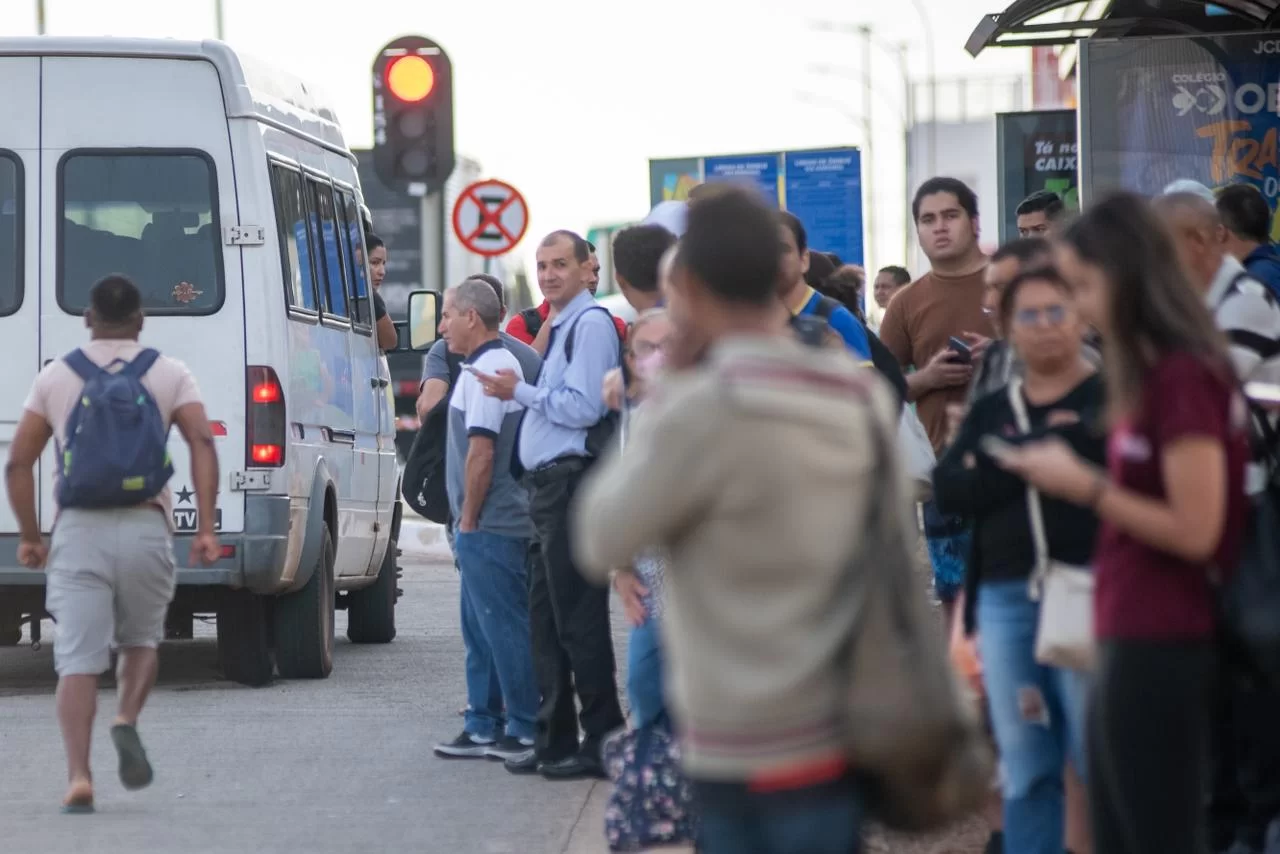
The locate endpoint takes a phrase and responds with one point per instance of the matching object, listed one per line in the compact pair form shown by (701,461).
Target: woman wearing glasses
(1036,711)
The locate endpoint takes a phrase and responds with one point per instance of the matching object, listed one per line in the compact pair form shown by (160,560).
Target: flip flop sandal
(78,805)
(135,770)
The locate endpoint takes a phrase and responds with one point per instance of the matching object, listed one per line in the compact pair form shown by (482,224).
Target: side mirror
(421,328)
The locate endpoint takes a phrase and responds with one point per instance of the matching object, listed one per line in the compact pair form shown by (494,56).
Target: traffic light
(413,115)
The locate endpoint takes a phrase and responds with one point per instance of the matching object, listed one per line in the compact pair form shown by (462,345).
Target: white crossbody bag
(1065,638)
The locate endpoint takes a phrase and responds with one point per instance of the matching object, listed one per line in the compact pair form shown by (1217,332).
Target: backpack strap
(826,307)
(84,367)
(568,342)
(532,320)
(141,363)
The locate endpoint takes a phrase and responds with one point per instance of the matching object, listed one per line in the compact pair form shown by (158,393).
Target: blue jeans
(495,632)
(949,540)
(644,674)
(1037,713)
(824,819)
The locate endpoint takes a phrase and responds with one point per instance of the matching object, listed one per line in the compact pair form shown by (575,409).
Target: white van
(225,190)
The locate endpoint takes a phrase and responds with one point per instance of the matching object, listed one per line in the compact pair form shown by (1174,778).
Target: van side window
(359,309)
(295,253)
(152,216)
(11,220)
(325,240)
(355,240)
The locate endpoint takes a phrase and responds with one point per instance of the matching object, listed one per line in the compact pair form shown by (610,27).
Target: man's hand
(978,344)
(205,549)
(501,385)
(467,526)
(632,594)
(613,389)
(943,371)
(33,553)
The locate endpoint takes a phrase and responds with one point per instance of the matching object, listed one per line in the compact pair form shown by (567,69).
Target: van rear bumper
(256,562)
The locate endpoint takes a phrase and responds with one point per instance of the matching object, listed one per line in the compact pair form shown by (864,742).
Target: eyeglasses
(1053,315)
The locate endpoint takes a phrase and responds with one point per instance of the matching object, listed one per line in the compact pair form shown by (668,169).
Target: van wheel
(11,629)
(244,639)
(371,611)
(304,622)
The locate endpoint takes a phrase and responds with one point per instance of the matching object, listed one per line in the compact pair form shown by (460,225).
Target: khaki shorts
(110,582)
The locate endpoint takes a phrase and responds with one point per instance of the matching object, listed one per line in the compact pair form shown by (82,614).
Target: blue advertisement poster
(1157,110)
(762,170)
(824,189)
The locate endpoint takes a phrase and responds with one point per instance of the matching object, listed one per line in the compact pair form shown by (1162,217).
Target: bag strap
(84,367)
(1034,509)
(141,363)
(826,307)
(573,325)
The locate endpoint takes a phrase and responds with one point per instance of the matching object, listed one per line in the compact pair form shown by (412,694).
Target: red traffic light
(410,78)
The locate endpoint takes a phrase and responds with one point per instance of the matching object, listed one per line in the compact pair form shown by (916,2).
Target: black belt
(558,468)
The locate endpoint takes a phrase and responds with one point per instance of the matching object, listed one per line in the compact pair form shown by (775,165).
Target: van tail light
(264,416)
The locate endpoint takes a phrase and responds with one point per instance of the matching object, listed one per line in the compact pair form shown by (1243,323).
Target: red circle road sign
(490,217)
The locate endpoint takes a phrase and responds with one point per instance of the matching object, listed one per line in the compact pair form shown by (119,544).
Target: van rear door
(19,253)
(137,178)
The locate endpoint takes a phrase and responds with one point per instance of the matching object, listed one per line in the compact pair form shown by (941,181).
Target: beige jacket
(754,472)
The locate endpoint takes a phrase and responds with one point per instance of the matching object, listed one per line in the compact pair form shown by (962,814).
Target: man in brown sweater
(918,326)
(752,466)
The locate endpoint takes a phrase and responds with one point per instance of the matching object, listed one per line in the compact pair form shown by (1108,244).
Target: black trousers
(1246,756)
(1148,740)
(569,621)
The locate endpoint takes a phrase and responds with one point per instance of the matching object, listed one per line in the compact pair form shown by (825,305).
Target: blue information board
(758,169)
(824,190)
(822,187)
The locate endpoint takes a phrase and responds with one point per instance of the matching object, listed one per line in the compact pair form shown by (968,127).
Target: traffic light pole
(433,243)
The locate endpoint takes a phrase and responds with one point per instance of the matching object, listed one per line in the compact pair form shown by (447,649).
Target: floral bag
(650,804)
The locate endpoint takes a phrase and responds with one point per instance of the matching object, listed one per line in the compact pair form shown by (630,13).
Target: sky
(568,100)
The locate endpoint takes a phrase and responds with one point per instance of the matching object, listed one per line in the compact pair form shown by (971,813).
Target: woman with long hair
(1172,506)
(1037,711)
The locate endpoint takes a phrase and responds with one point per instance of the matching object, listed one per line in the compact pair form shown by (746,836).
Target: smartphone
(1263,392)
(995,447)
(961,349)
(471,369)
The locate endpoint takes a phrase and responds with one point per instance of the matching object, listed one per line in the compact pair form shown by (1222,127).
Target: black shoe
(465,746)
(579,767)
(524,765)
(509,749)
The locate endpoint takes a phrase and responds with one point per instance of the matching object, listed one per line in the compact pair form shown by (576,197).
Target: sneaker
(509,748)
(465,746)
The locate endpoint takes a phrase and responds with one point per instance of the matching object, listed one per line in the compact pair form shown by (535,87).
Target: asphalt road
(337,766)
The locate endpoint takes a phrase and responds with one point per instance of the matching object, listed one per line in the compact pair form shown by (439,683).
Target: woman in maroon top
(1172,506)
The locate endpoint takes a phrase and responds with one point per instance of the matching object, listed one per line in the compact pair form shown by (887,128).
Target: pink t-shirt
(57,389)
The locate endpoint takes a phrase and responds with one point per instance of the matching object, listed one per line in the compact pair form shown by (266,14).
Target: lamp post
(40,17)
(218,22)
(932,73)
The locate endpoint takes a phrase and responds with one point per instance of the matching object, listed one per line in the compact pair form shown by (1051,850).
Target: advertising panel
(1037,151)
(1205,108)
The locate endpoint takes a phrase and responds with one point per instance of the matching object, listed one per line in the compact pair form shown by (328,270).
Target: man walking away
(492,537)
(755,618)
(110,564)
(569,617)
(1247,216)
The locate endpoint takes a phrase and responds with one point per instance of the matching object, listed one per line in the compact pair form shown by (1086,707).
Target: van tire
(244,638)
(304,621)
(371,611)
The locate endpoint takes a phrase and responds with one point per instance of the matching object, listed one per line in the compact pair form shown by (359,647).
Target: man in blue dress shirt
(569,617)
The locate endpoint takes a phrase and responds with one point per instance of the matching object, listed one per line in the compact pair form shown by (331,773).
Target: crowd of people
(1081,391)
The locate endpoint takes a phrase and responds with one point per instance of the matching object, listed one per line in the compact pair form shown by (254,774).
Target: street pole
(868,170)
(907,125)
(933,85)
(40,17)
(218,20)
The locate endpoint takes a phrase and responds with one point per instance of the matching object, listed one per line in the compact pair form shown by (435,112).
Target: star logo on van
(184,495)
(185,292)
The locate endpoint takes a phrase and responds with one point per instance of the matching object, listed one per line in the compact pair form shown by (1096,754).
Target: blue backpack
(116,453)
